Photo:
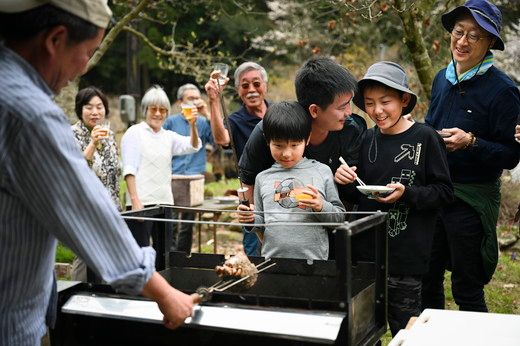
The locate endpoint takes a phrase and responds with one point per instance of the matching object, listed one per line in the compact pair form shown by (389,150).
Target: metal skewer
(222,285)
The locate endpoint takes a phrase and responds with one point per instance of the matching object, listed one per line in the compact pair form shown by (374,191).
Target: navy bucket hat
(390,74)
(486,14)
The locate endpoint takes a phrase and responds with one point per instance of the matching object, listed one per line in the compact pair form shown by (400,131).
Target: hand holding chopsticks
(343,162)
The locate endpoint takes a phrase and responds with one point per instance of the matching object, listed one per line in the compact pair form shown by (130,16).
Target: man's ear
(55,39)
(313,110)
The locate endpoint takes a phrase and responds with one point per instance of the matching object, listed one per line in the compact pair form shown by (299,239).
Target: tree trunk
(411,18)
(66,100)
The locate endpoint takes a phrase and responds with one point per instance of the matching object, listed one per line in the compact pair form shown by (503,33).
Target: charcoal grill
(295,302)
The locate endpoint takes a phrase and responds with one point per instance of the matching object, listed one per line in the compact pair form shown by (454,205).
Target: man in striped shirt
(47,191)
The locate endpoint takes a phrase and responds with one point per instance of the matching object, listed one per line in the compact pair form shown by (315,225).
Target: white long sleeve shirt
(148,156)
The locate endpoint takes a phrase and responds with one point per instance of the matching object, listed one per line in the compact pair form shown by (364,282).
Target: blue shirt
(242,124)
(190,163)
(42,200)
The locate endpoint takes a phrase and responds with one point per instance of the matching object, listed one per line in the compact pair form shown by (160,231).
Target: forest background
(171,43)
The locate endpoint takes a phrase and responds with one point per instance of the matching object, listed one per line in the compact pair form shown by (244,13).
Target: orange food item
(302,196)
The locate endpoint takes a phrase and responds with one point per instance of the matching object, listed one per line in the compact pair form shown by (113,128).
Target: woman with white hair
(147,150)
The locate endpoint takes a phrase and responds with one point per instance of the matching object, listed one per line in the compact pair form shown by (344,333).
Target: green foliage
(197,33)
(64,254)
(502,293)
(218,188)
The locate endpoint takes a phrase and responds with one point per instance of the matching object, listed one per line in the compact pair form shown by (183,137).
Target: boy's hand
(394,196)
(246,217)
(315,202)
(345,175)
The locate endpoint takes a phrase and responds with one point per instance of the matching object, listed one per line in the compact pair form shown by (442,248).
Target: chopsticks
(343,162)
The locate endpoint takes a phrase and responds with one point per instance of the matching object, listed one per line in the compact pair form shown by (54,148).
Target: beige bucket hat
(96,12)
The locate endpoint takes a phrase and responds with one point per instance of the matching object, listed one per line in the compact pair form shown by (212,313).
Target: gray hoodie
(275,190)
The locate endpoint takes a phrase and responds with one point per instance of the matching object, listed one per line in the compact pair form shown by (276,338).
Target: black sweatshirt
(417,159)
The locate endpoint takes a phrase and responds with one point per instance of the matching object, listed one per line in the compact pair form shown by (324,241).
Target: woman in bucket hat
(411,159)
(476,106)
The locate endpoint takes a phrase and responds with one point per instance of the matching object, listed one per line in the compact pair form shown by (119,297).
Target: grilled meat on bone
(239,266)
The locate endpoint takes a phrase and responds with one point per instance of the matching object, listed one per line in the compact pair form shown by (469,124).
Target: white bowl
(374,191)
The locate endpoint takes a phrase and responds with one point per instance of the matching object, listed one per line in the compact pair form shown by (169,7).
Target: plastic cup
(300,193)
(188,111)
(222,70)
(105,127)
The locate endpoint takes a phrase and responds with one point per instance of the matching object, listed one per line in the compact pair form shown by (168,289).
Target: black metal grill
(353,293)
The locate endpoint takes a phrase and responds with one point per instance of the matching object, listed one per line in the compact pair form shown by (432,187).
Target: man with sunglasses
(476,106)
(251,87)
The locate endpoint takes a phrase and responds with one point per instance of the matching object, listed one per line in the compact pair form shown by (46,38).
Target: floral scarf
(105,161)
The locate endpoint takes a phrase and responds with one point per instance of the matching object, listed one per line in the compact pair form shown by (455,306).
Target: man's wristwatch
(472,141)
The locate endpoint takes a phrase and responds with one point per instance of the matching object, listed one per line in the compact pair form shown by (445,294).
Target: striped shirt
(48,192)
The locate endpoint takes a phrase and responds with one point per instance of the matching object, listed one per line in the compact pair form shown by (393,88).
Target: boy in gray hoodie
(294,189)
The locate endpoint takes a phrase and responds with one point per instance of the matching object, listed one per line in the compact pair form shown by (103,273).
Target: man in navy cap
(47,190)
(476,107)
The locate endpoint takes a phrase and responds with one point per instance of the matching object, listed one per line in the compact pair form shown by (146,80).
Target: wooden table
(210,210)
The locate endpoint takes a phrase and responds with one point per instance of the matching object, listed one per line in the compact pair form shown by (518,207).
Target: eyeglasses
(256,85)
(155,109)
(470,36)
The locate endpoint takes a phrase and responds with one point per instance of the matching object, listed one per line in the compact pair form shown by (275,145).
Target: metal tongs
(224,284)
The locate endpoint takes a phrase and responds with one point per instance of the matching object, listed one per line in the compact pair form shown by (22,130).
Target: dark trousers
(456,247)
(404,300)
(183,232)
(251,243)
(143,230)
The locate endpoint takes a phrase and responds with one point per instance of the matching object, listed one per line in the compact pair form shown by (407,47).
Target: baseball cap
(486,14)
(95,12)
(390,74)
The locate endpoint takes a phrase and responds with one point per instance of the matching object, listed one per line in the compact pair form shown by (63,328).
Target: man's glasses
(256,85)
(155,109)
(470,36)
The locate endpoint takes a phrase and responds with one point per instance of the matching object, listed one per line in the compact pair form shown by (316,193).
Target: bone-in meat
(239,266)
